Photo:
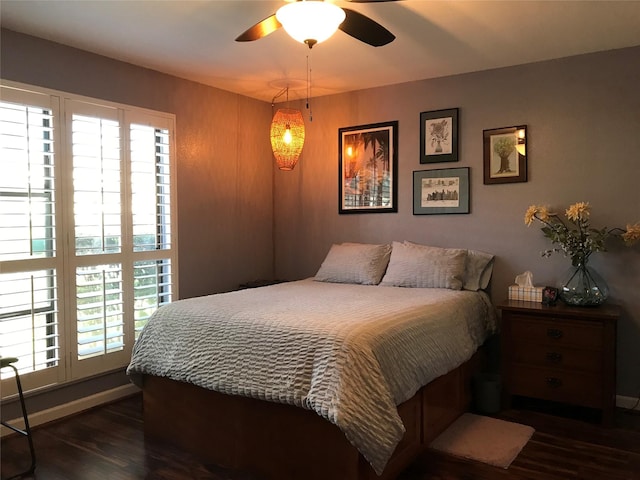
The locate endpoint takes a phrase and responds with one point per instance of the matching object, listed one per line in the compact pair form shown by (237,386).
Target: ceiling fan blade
(364,29)
(260,29)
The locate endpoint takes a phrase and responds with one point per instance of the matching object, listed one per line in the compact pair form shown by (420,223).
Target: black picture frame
(368,168)
(550,295)
(505,155)
(441,191)
(439,136)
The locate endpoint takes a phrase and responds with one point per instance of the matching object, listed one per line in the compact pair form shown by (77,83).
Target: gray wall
(583,117)
(224,169)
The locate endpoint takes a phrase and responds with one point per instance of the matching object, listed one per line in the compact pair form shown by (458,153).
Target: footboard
(276,441)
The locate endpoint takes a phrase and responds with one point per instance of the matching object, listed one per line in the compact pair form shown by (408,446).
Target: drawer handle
(554,382)
(554,333)
(554,357)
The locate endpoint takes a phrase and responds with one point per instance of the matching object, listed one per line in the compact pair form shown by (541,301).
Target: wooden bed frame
(281,442)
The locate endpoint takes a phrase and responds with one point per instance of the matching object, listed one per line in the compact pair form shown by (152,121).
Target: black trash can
(487,390)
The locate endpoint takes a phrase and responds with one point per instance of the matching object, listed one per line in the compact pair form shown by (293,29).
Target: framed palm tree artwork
(439,136)
(368,168)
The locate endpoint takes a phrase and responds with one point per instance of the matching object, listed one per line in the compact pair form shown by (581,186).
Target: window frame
(65,260)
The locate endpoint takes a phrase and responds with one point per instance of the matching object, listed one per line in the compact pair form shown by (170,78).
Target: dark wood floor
(107,443)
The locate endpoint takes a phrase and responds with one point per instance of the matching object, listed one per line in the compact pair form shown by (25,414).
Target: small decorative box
(526,294)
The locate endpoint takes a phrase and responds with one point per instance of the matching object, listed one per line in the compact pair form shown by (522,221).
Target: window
(88,233)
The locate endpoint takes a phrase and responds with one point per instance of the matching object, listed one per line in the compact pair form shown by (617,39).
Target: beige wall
(583,117)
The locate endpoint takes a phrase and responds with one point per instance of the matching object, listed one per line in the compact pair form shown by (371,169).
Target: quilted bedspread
(351,353)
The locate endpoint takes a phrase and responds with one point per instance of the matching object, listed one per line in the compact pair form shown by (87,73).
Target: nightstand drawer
(571,387)
(557,332)
(551,356)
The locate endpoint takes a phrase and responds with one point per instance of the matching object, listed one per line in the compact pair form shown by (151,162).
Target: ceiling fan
(313,21)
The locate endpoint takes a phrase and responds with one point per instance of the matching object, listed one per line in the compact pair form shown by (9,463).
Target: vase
(583,286)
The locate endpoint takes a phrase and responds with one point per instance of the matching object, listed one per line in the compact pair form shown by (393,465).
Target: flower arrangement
(576,238)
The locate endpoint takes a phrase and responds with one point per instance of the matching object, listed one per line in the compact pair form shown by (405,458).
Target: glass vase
(583,286)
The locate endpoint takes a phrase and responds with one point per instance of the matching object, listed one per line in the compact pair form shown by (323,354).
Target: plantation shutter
(87,231)
(99,281)
(123,234)
(30,267)
(151,216)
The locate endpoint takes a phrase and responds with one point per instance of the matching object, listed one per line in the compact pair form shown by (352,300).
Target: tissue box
(526,294)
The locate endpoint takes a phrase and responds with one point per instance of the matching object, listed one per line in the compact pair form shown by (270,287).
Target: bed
(347,375)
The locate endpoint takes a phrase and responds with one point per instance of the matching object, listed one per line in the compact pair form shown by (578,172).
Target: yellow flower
(576,239)
(543,213)
(632,235)
(534,211)
(530,214)
(578,211)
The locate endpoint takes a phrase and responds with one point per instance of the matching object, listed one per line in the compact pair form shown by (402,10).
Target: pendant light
(287,135)
(310,21)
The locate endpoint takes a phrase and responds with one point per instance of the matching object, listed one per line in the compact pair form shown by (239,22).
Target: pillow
(354,263)
(478,269)
(420,266)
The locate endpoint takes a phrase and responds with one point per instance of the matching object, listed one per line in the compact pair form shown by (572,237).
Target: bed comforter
(351,353)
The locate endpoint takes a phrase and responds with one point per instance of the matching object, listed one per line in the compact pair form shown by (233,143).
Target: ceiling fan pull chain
(309,89)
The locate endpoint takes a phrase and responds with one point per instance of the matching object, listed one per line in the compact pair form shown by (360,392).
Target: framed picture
(368,168)
(505,155)
(441,191)
(550,296)
(439,136)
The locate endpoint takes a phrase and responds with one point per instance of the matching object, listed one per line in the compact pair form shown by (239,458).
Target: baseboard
(72,408)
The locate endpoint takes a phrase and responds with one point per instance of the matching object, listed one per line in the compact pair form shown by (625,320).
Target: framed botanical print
(368,168)
(439,136)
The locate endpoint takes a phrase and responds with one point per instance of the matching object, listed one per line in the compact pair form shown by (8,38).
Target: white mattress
(351,353)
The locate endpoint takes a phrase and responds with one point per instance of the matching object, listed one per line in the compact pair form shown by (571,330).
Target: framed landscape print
(439,136)
(368,168)
(505,155)
(441,191)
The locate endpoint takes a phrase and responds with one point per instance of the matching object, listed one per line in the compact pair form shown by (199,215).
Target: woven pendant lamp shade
(287,146)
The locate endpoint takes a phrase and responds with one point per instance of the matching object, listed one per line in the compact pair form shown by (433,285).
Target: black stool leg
(26,432)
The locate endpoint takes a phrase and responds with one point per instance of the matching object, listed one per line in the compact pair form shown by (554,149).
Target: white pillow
(421,266)
(478,270)
(354,263)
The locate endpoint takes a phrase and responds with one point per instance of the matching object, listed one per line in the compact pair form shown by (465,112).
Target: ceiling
(195,39)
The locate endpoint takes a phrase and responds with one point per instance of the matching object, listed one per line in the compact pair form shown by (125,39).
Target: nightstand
(560,353)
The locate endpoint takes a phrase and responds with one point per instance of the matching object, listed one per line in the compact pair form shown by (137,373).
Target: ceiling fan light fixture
(310,21)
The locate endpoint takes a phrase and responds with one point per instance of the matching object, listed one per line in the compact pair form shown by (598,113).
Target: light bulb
(286,138)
